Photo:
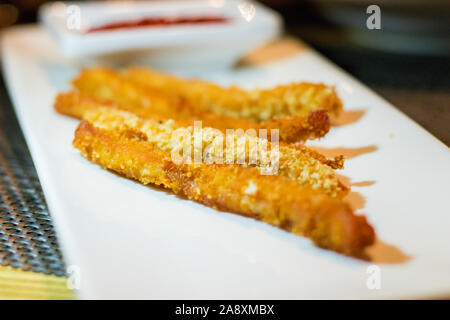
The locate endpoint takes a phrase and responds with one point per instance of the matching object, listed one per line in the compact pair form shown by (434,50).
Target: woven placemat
(16,284)
(27,237)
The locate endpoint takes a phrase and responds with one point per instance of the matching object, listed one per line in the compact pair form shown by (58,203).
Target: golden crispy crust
(76,105)
(110,87)
(258,104)
(276,200)
(297,163)
(336,163)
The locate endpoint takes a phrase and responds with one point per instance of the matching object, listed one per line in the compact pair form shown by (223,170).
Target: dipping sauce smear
(158,22)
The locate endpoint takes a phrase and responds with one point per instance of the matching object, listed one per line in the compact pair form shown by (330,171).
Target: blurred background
(407,61)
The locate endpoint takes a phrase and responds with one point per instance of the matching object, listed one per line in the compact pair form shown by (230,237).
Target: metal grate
(27,236)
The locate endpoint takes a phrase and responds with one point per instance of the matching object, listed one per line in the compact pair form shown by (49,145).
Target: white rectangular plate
(132,241)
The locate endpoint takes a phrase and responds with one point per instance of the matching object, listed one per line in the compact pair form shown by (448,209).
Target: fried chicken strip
(328,222)
(258,104)
(108,85)
(295,162)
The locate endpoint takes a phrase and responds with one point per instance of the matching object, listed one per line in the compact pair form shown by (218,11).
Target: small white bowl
(203,45)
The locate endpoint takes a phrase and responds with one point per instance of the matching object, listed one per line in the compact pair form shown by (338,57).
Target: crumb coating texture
(109,86)
(297,98)
(213,147)
(328,222)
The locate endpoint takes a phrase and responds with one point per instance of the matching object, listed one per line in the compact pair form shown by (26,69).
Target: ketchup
(158,22)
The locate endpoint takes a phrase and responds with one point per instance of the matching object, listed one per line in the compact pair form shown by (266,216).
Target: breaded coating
(296,163)
(336,163)
(76,105)
(109,86)
(259,104)
(328,222)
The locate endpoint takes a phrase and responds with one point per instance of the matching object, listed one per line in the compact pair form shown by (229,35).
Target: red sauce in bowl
(158,22)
